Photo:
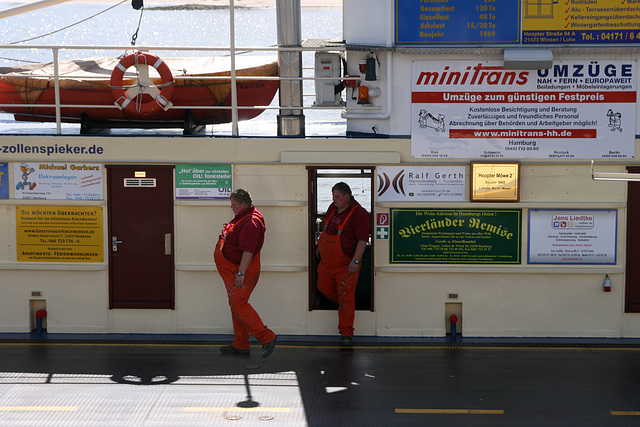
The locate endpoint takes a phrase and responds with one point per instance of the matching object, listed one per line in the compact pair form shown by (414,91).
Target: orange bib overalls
(246,320)
(334,280)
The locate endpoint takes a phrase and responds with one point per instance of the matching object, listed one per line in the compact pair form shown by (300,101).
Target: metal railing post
(234,89)
(56,90)
(291,117)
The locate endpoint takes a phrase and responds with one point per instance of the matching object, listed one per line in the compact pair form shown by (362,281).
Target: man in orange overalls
(340,246)
(237,258)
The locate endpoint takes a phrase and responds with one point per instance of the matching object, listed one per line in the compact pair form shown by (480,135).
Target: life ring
(160,94)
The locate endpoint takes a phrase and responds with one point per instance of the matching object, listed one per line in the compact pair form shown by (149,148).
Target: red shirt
(356,228)
(245,232)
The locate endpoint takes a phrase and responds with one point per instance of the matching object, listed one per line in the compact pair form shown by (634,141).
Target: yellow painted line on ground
(451,411)
(471,346)
(332,346)
(234,409)
(632,413)
(38,408)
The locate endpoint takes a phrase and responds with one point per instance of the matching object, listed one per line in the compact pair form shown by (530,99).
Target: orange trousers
(246,320)
(335,282)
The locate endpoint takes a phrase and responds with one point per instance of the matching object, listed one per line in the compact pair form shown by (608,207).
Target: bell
(371,69)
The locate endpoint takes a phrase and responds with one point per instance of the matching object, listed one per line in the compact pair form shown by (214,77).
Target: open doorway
(321,180)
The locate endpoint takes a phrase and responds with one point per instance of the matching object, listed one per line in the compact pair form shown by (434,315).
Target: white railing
(232,51)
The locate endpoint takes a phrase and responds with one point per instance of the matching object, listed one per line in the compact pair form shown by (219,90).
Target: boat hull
(90,98)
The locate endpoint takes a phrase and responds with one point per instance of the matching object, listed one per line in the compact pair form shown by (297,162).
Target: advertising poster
(59,234)
(455,236)
(58,181)
(581,22)
(444,22)
(422,183)
(203,181)
(4,180)
(516,22)
(582,109)
(572,236)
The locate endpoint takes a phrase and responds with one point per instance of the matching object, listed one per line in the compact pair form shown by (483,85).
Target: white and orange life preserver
(125,95)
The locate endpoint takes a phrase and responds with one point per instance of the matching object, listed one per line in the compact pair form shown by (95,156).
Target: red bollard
(453,319)
(40,314)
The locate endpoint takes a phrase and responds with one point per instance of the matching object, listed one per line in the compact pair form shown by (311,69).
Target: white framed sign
(572,236)
(203,181)
(421,183)
(578,109)
(58,181)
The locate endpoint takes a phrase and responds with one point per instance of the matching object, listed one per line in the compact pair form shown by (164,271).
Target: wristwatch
(356,261)
(240,273)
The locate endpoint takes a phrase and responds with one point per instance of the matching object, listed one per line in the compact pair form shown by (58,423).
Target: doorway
(141,258)
(632,269)
(321,180)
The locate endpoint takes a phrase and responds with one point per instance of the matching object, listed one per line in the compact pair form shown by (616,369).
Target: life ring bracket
(126,95)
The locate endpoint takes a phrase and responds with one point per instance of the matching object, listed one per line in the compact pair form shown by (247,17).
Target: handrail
(234,107)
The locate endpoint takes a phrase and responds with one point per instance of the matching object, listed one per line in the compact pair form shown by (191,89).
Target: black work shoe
(346,341)
(268,348)
(229,349)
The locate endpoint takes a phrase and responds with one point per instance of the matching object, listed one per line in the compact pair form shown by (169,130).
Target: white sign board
(58,181)
(572,236)
(581,109)
(422,183)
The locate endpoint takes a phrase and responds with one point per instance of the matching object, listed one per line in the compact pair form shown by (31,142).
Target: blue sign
(444,22)
(4,180)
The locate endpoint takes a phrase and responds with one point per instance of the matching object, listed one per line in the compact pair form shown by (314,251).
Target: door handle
(114,243)
(167,244)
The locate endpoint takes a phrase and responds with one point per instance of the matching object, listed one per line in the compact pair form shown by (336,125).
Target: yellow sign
(495,182)
(580,21)
(59,234)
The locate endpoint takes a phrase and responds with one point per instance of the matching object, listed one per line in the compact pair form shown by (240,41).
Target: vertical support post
(290,120)
(56,90)
(232,53)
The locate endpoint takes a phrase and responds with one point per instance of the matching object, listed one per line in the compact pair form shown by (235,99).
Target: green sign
(455,236)
(203,181)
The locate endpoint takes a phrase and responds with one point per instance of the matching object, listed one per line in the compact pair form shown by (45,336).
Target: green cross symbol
(382,233)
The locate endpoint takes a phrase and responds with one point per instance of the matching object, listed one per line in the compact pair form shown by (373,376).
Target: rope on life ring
(160,94)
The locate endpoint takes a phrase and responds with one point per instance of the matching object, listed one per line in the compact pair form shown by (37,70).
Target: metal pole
(232,52)
(56,90)
(290,120)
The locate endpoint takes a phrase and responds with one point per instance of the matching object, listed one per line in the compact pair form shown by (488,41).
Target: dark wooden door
(632,274)
(141,260)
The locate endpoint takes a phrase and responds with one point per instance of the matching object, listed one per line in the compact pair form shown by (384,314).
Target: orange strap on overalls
(329,245)
(219,258)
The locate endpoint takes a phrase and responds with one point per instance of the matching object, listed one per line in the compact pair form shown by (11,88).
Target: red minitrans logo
(473,75)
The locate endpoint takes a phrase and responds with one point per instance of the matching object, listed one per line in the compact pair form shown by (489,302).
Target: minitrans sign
(582,109)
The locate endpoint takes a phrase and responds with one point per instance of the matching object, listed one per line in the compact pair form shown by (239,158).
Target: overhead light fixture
(613,176)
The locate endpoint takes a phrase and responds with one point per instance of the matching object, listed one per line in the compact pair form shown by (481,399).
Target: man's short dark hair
(241,196)
(342,187)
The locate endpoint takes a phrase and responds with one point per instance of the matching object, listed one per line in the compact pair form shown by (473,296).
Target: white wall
(514,300)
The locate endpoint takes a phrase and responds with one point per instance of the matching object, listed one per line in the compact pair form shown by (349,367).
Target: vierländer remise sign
(582,109)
